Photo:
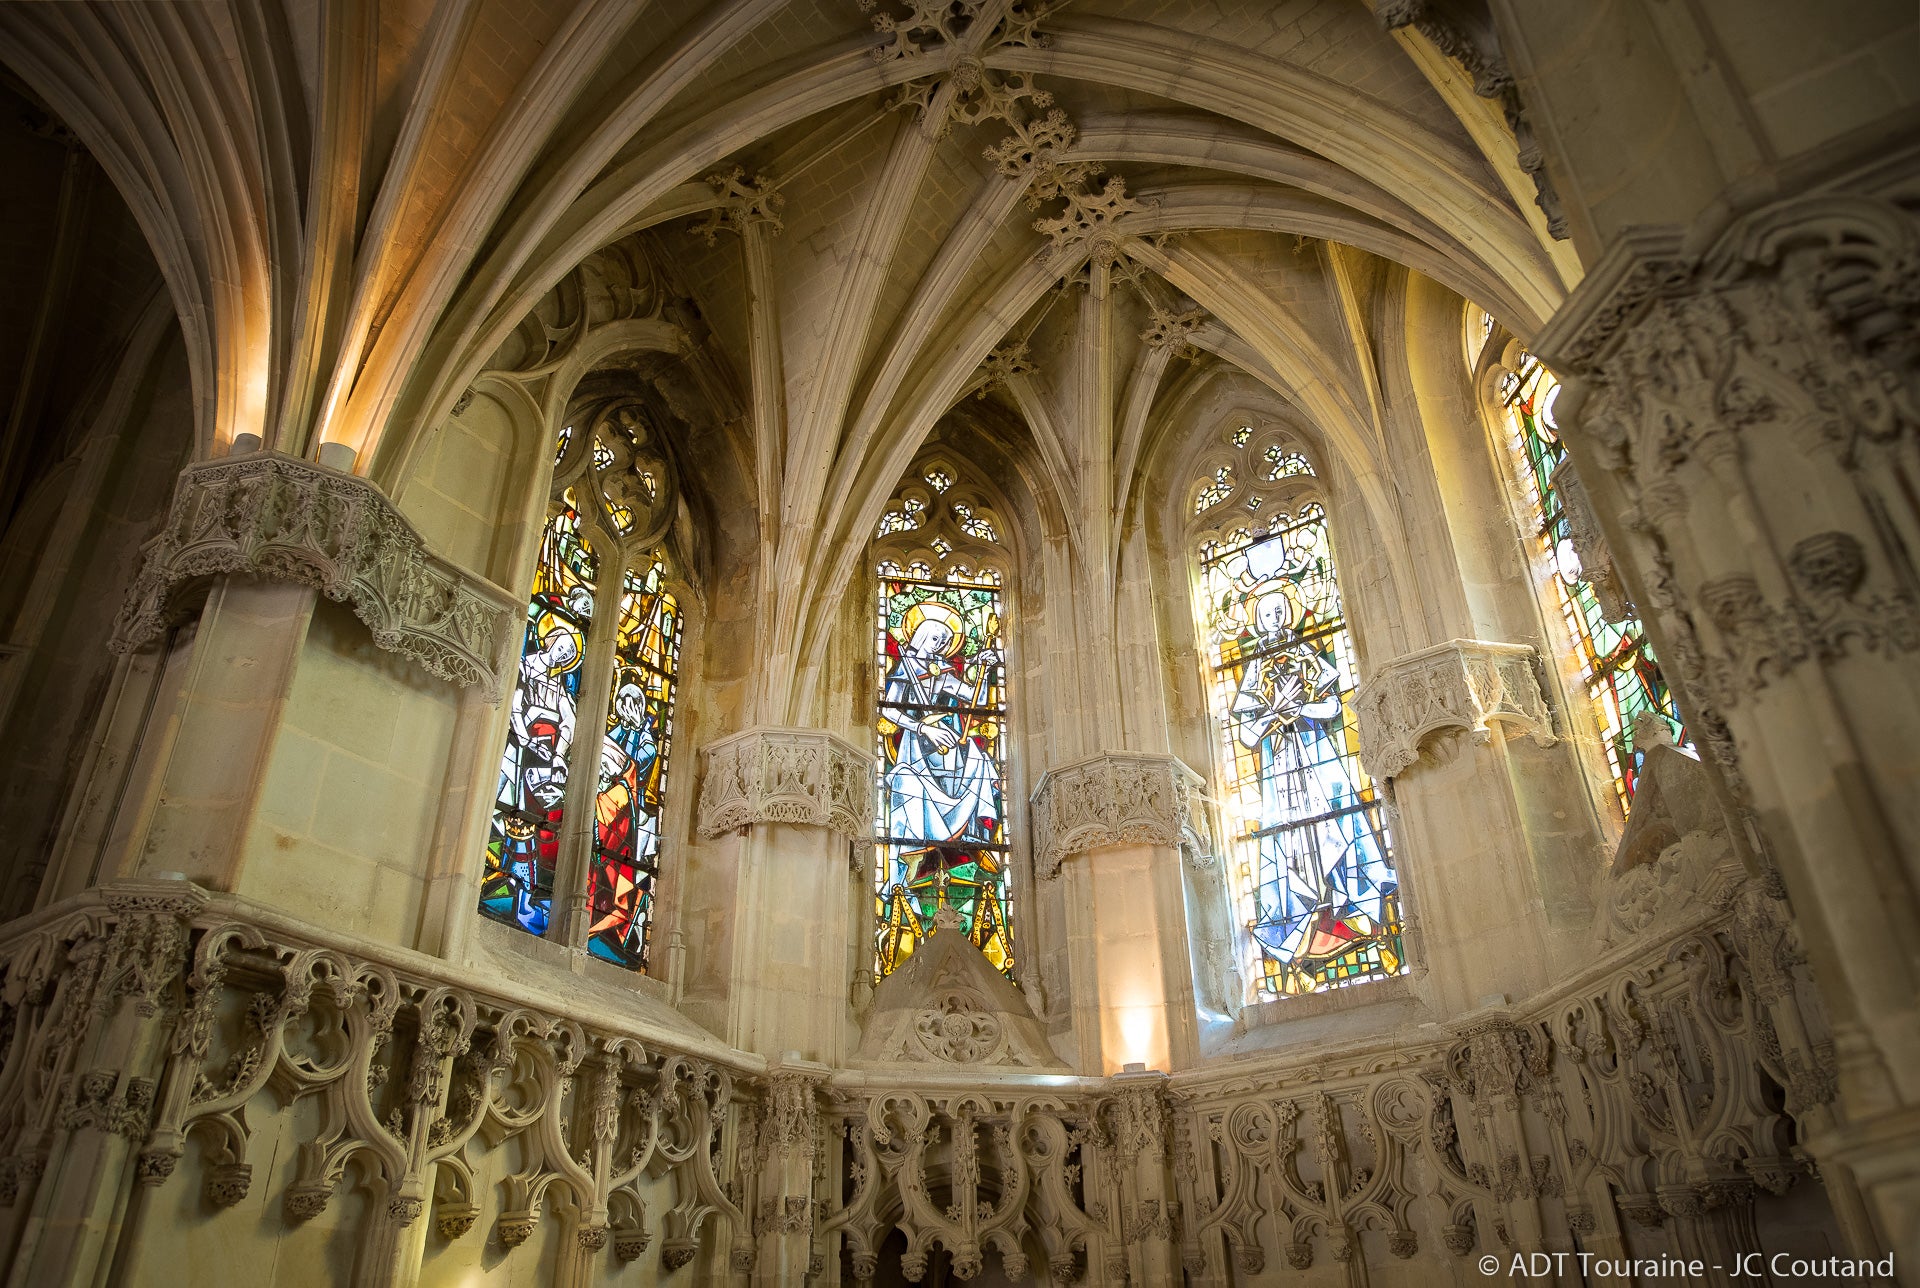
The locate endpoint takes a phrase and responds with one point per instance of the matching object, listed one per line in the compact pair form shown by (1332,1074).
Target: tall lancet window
(941,720)
(601,654)
(1313,858)
(1617,668)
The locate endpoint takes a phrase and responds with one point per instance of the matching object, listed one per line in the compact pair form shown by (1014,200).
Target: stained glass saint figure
(941,783)
(523,844)
(633,760)
(1325,906)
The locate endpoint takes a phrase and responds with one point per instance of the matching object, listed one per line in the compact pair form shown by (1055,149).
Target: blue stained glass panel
(1315,858)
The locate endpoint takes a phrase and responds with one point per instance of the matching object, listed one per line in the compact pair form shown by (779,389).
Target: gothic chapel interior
(865,642)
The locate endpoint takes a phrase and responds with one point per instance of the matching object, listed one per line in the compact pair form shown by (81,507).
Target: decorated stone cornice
(771,775)
(282,518)
(1116,798)
(1461,685)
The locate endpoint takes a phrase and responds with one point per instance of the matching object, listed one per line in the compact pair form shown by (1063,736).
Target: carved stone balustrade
(282,518)
(1116,798)
(1462,685)
(772,775)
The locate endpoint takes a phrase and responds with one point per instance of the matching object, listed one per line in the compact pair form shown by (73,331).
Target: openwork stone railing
(281,518)
(161,1036)
(785,776)
(1462,685)
(1118,798)
(150,1013)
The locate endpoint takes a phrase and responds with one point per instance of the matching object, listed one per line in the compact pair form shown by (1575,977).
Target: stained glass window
(941,816)
(974,525)
(633,772)
(1616,662)
(1315,861)
(1283,464)
(1215,492)
(524,843)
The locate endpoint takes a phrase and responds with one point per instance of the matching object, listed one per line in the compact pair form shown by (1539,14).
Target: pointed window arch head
(1623,681)
(1319,894)
(523,844)
(941,723)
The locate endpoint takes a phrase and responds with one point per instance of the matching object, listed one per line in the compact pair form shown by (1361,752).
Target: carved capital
(770,775)
(1461,685)
(281,518)
(1117,798)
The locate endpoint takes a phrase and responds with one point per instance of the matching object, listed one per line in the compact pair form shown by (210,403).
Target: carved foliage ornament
(1112,799)
(1460,685)
(281,518)
(785,776)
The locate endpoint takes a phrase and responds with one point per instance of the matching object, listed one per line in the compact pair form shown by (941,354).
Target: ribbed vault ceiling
(354,206)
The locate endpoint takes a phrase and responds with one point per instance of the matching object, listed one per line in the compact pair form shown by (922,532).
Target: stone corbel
(1460,685)
(1117,798)
(283,518)
(768,775)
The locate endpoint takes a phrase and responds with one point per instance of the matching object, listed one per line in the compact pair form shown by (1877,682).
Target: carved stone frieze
(282,518)
(1117,798)
(773,775)
(1462,685)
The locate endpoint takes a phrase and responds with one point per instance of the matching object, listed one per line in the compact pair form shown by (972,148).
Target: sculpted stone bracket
(1116,798)
(281,518)
(770,775)
(1460,685)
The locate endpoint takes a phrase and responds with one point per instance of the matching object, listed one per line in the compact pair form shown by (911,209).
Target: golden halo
(956,628)
(543,628)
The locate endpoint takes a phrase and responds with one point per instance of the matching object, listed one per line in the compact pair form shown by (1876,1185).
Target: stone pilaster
(787,1146)
(1148,1207)
(1428,724)
(102,1045)
(1747,400)
(1130,816)
(781,810)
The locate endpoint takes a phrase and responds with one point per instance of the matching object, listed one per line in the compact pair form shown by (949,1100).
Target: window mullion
(583,758)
